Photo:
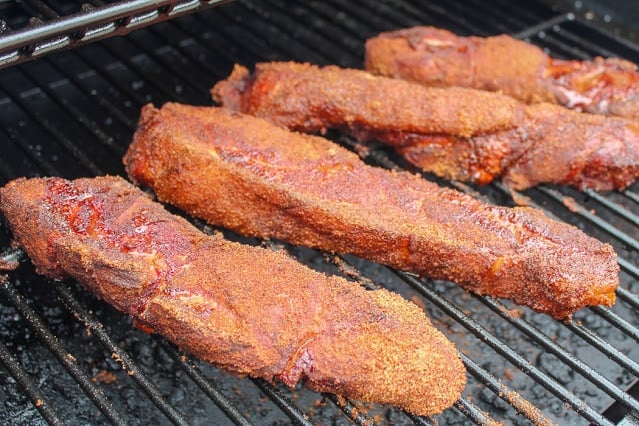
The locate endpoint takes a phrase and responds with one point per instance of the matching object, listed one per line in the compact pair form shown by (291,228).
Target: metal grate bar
(167,91)
(7,168)
(364,16)
(629,297)
(250,49)
(59,136)
(209,69)
(332,40)
(535,29)
(93,127)
(575,40)
(519,403)
(205,385)
(498,17)
(632,195)
(350,29)
(42,8)
(349,409)
(585,213)
(559,48)
(42,162)
(178,63)
(474,413)
(379,15)
(433,13)
(603,346)
(525,15)
(87,59)
(422,421)
(475,328)
(196,90)
(76,113)
(618,322)
(617,208)
(100,100)
(563,354)
(28,386)
(303,27)
(191,80)
(120,355)
(284,403)
(282,41)
(65,358)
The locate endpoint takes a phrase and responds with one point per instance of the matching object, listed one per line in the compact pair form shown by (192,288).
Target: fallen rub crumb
(104,376)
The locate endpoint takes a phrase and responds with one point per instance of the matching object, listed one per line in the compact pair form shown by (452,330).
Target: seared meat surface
(437,57)
(455,133)
(249,175)
(246,309)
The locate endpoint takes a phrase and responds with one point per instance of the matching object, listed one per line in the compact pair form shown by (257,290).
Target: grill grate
(72,114)
(52,31)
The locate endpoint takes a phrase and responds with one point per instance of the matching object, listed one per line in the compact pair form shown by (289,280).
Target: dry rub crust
(455,133)
(251,176)
(437,57)
(249,310)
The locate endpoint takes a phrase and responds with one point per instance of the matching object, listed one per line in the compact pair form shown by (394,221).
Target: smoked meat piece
(437,57)
(249,310)
(258,179)
(456,133)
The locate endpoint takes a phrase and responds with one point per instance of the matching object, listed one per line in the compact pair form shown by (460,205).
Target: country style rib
(456,133)
(246,174)
(437,57)
(246,309)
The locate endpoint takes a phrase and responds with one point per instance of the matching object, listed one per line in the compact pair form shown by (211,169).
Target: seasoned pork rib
(258,179)
(437,57)
(456,133)
(249,310)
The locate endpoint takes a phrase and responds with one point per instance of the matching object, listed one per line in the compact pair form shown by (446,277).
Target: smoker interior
(68,357)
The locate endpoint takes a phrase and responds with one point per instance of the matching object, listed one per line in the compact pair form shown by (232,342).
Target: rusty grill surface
(70,358)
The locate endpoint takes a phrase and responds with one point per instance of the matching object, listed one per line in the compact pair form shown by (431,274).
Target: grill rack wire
(318,43)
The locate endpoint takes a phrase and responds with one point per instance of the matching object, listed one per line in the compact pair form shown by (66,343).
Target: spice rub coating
(437,57)
(455,133)
(249,310)
(246,174)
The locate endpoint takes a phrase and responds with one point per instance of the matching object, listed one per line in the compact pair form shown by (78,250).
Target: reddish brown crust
(250,310)
(316,98)
(455,133)
(437,57)
(603,153)
(269,182)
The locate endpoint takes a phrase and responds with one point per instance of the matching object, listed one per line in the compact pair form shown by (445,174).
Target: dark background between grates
(72,114)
